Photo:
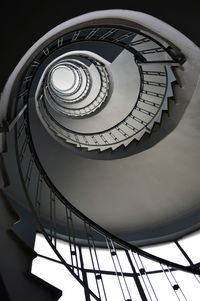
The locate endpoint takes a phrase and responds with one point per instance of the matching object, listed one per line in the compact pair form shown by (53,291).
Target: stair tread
(23,244)
(57,293)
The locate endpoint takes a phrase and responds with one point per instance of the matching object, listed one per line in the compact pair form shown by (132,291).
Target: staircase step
(16,260)
(18,280)
(23,245)
(29,287)
(55,292)
(9,215)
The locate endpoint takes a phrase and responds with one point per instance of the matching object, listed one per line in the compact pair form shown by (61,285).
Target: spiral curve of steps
(117,100)
(74,86)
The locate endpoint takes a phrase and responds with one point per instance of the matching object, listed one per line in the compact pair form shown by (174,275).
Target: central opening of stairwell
(63,78)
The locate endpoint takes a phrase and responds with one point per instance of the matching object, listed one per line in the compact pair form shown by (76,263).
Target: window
(116,281)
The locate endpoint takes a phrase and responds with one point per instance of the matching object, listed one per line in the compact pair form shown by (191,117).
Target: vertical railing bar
(38,192)
(183,252)
(51,216)
(176,283)
(141,275)
(54,219)
(164,271)
(116,272)
(20,129)
(89,246)
(16,118)
(23,149)
(136,278)
(197,278)
(30,172)
(121,269)
(84,274)
(148,278)
(98,266)
(187,257)
(69,235)
(74,242)
(27,172)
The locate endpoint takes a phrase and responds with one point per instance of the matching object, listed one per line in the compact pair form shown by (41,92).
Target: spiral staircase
(104,86)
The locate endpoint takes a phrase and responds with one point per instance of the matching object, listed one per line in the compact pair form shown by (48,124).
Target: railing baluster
(29,172)
(87,296)
(121,271)
(53,217)
(74,243)
(141,275)
(23,149)
(20,129)
(171,284)
(97,276)
(112,253)
(187,257)
(68,219)
(38,193)
(148,278)
(97,263)
(136,278)
(176,286)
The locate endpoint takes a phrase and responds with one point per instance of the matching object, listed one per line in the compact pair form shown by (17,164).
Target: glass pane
(191,245)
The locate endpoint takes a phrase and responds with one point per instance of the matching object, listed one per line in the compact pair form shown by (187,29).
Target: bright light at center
(62,78)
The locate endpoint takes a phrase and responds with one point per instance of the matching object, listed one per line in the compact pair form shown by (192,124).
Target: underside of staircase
(16,280)
(81,104)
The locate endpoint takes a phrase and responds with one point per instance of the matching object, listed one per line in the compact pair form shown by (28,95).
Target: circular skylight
(63,78)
